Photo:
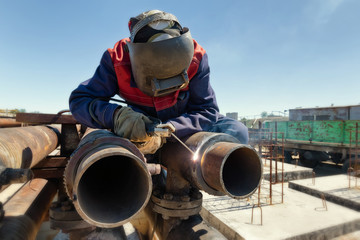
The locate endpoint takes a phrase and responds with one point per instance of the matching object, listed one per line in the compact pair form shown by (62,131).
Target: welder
(163,76)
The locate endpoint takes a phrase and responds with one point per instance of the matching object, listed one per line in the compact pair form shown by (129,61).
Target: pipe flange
(176,206)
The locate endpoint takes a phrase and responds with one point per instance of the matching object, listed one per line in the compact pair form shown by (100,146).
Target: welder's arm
(102,85)
(202,109)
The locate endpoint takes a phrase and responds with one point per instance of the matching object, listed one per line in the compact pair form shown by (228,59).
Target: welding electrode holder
(159,129)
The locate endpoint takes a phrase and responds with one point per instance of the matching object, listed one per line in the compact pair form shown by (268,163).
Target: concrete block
(339,189)
(291,171)
(300,216)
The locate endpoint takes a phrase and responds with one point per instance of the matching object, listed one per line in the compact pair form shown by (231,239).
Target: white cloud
(322,10)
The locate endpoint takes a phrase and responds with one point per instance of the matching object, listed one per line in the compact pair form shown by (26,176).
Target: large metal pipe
(24,147)
(220,166)
(231,168)
(107,179)
(9,122)
(26,210)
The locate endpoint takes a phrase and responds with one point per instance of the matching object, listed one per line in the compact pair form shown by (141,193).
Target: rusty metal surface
(189,167)
(92,139)
(52,162)
(24,147)
(109,183)
(232,168)
(49,173)
(50,167)
(182,207)
(185,166)
(319,133)
(9,122)
(40,118)
(107,179)
(25,211)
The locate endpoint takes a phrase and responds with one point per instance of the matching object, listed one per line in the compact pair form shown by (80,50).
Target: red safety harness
(121,61)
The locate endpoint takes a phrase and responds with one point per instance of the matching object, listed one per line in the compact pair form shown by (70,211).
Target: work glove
(131,125)
(159,133)
(150,146)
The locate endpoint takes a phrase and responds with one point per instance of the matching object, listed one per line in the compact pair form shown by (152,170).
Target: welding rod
(172,134)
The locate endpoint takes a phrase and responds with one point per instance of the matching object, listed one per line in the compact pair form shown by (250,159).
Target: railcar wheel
(306,160)
(288,156)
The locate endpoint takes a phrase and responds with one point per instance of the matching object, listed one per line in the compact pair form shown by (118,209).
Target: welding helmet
(160,53)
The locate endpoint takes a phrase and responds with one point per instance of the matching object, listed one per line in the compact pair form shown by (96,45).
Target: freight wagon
(319,134)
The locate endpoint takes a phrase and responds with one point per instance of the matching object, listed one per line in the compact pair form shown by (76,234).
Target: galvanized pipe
(24,147)
(220,166)
(107,179)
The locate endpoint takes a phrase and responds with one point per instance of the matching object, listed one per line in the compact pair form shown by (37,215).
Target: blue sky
(264,55)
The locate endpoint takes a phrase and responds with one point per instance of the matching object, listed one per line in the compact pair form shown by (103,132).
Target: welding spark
(195,155)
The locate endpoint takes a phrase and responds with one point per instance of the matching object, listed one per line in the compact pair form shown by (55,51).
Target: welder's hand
(131,125)
(150,146)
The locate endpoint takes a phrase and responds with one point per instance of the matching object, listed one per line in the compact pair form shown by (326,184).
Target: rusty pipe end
(111,186)
(232,169)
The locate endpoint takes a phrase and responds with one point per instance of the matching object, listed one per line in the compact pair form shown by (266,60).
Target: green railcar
(314,141)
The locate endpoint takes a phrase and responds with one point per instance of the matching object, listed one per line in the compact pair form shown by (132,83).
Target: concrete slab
(349,236)
(291,171)
(301,216)
(333,188)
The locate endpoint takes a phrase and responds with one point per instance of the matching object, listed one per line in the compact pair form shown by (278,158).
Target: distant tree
(14,111)
(264,114)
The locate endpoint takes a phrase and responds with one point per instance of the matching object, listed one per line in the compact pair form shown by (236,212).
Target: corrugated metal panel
(350,127)
(328,131)
(300,130)
(336,113)
(355,113)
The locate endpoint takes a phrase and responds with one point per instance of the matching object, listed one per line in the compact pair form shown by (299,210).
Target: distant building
(325,113)
(233,115)
(7,113)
